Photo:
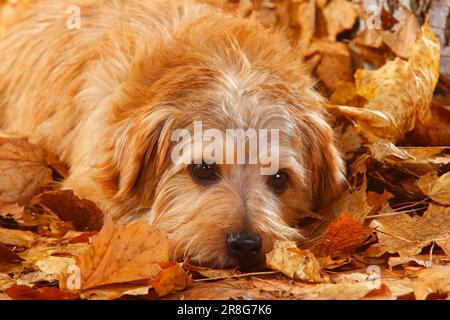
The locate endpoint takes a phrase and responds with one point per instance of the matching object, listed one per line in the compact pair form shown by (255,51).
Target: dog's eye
(204,173)
(278,182)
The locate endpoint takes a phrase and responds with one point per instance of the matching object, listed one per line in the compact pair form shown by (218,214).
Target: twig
(238,276)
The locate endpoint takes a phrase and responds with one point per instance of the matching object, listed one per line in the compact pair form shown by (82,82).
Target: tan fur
(107,97)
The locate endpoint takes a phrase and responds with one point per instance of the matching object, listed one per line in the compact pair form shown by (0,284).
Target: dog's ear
(141,152)
(322,157)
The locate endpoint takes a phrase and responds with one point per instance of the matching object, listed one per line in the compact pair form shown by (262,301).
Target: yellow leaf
(399,93)
(407,235)
(437,188)
(123,254)
(295,263)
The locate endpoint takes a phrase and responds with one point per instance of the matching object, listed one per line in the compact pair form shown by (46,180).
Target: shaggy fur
(107,97)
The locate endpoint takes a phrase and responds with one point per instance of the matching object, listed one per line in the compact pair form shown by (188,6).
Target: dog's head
(225,212)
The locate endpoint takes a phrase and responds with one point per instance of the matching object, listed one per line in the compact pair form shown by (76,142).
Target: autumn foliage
(391,111)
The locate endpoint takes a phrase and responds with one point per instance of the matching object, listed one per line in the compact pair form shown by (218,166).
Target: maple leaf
(22,292)
(171,278)
(17,237)
(433,280)
(343,235)
(7,256)
(399,93)
(123,254)
(84,213)
(295,263)
(407,235)
(23,168)
(437,188)
(340,15)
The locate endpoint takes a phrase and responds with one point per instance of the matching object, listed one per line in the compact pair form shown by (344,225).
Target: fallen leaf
(304,16)
(433,280)
(17,237)
(340,15)
(170,279)
(343,235)
(351,202)
(399,93)
(437,188)
(401,41)
(23,168)
(123,254)
(378,202)
(7,256)
(295,263)
(117,291)
(21,292)
(84,213)
(407,235)
(335,63)
(6,282)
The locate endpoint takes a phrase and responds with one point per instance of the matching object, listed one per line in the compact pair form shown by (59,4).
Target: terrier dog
(107,95)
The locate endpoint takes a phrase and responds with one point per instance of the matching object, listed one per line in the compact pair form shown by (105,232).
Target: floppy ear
(326,163)
(140,153)
(322,157)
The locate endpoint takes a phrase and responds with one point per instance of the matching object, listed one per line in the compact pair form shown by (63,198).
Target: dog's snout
(243,246)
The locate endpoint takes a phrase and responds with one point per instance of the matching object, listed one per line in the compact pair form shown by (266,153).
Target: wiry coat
(107,97)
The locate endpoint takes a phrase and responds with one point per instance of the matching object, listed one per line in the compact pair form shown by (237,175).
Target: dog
(107,95)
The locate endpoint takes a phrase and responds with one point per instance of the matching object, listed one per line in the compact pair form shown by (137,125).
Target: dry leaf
(437,188)
(433,280)
(123,254)
(399,93)
(172,278)
(401,41)
(343,235)
(379,202)
(23,168)
(7,256)
(84,213)
(6,282)
(340,15)
(295,263)
(407,235)
(351,202)
(21,292)
(17,237)
(304,15)
(335,63)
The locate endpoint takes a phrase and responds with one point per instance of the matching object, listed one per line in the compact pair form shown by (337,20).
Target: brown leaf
(21,292)
(17,237)
(335,63)
(401,41)
(342,235)
(378,202)
(407,235)
(437,188)
(170,279)
(351,202)
(399,93)
(416,160)
(7,256)
(433,280)
(340,15)
(295,263)
(23,168)
(303,14)
(123,254)
(84,213)
(6,282)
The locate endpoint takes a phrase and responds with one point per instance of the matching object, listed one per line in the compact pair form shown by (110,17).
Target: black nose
(243,246)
